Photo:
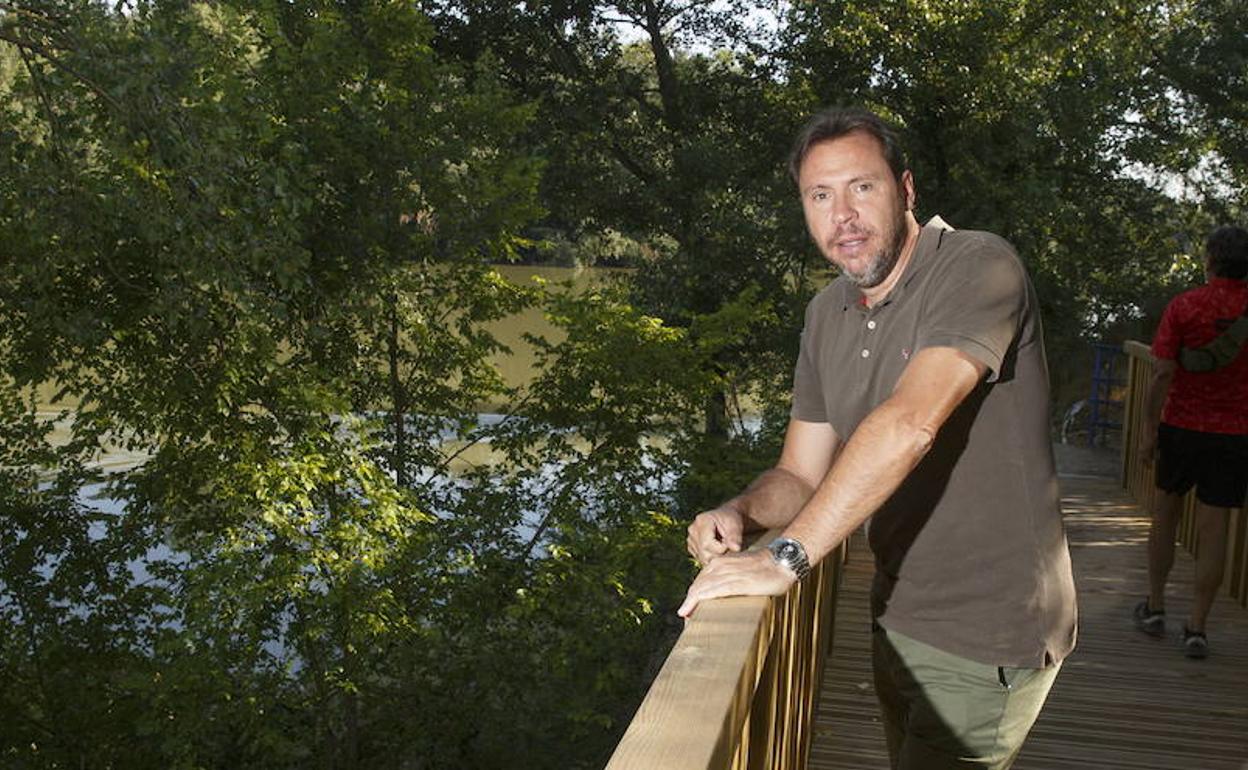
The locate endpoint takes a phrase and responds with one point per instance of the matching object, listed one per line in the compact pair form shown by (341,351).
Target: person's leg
(957,713)
(1161,536)
(1221,484)
(1211,524)
(1173,476)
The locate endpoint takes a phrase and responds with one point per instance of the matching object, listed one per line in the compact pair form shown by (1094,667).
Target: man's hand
(714,533)
(1147,448)
(754,573)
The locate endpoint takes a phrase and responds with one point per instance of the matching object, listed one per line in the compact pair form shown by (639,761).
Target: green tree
(666,122)
(248,243)
(202,212)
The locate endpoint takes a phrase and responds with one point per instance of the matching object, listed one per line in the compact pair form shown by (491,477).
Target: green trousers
(944,711)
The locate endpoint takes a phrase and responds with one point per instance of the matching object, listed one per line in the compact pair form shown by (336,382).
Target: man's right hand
(714,533)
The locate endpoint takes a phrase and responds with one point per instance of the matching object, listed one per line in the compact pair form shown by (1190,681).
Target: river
(515,368)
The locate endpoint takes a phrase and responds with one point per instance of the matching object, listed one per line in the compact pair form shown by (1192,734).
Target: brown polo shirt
(971,556)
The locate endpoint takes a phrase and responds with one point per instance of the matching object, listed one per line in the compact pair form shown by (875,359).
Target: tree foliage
(674,147)
(249,246)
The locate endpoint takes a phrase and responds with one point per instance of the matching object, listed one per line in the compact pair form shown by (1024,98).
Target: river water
(515,368)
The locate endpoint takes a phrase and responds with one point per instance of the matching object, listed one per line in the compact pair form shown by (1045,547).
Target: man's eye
(863,187)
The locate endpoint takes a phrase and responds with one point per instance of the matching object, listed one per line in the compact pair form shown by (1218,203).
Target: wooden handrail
(1137,477)
(738,690)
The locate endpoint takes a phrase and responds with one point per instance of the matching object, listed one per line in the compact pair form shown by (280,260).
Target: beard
(883,261)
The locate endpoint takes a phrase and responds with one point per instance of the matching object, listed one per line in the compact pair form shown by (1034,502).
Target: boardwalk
(1122,702)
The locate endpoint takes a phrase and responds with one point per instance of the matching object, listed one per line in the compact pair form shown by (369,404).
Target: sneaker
(1151,622)
(1195,644)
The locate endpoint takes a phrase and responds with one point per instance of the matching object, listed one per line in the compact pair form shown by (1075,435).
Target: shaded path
(1122,702)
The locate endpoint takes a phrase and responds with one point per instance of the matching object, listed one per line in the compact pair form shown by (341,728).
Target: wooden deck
(1122,702)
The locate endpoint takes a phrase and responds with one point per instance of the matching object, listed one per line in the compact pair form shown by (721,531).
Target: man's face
(855,209)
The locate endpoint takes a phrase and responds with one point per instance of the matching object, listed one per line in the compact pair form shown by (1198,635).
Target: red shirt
(1211,402)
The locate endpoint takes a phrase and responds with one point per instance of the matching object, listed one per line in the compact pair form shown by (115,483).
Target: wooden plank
(848,733)
(1122,702)
(737,688)
(700,691)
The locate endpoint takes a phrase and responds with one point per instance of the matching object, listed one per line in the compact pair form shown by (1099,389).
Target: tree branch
(665,67)
(45,52)
(630,164)
(36,80)
(446,462)
(632,21)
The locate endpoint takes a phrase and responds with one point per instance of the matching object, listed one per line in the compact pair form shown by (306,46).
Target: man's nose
(842,211)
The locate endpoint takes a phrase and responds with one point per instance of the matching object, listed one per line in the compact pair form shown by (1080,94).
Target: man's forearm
(1155,398)
(771,500)
(885,448)
(1153,405)
(878,457)
(851,480)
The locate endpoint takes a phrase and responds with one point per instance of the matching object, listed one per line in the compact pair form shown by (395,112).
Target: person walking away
(1196,430)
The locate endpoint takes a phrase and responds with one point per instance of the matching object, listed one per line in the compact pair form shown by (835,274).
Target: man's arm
(885,447)
(771,500)
(1154,401)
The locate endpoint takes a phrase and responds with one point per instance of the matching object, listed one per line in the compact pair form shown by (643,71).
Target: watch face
(788,552)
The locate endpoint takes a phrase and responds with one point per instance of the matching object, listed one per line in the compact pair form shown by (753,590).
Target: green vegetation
(251,242)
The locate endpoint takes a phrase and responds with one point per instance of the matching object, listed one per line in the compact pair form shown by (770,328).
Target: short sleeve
(808,404)
(1167,340)
(977,305)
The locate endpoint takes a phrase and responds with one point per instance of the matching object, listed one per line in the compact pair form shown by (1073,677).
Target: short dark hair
(1227,249)
(835,122)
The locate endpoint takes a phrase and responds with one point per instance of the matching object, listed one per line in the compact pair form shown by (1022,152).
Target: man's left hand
(753,573)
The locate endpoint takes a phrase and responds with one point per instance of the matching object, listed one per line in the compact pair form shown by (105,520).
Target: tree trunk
(717,415)
(398,401)
(665,69)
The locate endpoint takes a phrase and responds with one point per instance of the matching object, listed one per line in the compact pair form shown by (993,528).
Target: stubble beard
(884,260)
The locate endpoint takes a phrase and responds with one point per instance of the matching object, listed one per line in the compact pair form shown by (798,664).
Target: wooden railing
(738,690)
(1137,477)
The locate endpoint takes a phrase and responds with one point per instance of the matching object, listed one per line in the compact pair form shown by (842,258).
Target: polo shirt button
(865,352)
(870,324)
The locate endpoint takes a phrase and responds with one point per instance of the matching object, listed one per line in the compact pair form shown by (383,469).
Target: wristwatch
(787,552)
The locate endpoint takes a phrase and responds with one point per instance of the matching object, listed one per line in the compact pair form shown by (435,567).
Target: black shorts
(1215,463)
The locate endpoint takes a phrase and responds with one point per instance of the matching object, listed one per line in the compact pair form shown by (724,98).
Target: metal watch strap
(790,553)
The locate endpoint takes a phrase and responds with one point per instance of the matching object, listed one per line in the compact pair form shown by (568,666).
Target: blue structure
(1105,402)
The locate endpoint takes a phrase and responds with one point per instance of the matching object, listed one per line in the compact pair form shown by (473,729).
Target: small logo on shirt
(905,353)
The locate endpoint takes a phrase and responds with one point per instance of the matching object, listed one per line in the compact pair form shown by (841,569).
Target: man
(920,400)
(1200,438)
